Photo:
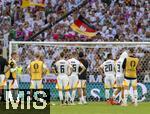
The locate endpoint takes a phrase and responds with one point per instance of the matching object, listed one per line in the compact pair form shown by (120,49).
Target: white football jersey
(119,69)
(62,67)
(109,68)
(119,63)
(75,65)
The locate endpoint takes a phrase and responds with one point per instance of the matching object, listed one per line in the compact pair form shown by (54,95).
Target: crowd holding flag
(83,27)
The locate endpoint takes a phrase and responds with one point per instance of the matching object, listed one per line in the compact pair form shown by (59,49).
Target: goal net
(95,53)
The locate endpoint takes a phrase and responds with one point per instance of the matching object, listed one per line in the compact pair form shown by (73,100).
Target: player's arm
(28,69)
(83,68)
(70,69)
(124,65)
(45,69)
(54,68)
(101,69)
(138,65)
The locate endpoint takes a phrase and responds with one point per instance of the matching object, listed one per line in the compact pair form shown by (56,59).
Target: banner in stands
(96,91)
(28,3)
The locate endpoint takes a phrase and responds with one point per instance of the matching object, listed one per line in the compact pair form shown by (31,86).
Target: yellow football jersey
(131,67)
(36,70)
(11,75)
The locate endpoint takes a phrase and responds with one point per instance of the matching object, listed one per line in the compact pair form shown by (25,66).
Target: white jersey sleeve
(123,55)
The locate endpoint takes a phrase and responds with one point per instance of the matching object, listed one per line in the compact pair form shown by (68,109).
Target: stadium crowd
(115,20)
(95,55)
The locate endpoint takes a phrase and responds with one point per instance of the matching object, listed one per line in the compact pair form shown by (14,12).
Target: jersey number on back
(36,66)
(118,68)
(62,68)
(74,67)
(108,68)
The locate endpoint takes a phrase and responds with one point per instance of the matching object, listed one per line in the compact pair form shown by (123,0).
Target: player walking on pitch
(130,66)
(73,79)
(64,69)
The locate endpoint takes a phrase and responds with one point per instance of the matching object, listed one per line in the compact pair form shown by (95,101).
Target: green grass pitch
(90,108)
(101,108)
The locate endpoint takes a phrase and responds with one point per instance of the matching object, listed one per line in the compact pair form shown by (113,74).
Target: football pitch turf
(101,108)
(90,108)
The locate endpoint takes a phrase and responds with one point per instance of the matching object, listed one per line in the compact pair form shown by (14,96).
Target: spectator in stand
(116,20)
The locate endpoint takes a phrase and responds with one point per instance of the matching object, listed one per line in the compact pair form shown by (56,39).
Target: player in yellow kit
(36,69)
(130,65)
(11,77)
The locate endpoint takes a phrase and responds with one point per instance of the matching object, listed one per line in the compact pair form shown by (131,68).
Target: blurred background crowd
(95,55)
(115,20)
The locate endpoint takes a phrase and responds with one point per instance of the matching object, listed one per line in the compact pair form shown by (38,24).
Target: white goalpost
(84,44)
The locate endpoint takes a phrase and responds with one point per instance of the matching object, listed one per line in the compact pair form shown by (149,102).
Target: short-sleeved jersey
(119,68)
(109,68)
(75,65)
(36,69)
(62,67)
(3,63)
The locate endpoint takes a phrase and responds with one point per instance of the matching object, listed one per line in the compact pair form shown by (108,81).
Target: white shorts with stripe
(62,82)
(73,81)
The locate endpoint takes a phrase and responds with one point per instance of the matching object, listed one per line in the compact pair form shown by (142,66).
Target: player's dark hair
(109,56)
(1,51)
(62,54)
(81,54)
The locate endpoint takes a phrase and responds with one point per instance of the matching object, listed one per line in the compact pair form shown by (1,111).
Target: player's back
(109,68)
(75,64)
(119,68)
(62,67)
(36,69)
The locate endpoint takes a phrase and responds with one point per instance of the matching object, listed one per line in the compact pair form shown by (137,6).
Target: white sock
(67,95)
(135,94)
(60,95)
(107,94)
(114,96)
(125,96)
(84,97)
(73,95)
(81,99)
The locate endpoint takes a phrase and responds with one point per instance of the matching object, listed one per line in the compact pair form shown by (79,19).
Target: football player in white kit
(64,69)
(109,71)
(73,79)
(119,76)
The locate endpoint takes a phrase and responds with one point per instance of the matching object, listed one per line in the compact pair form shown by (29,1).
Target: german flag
(83,26)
